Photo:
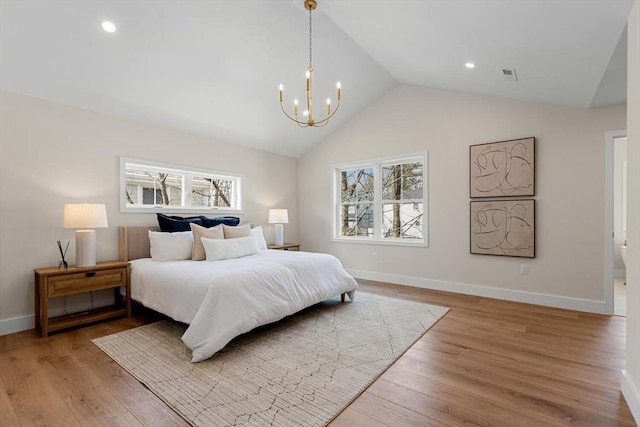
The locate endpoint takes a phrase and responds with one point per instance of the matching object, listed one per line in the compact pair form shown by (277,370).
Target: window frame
(377,164)
(187,173)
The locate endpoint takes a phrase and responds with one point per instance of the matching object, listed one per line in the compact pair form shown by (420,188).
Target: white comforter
(223,299)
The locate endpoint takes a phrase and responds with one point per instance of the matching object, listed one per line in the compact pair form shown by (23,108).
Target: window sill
(370,241)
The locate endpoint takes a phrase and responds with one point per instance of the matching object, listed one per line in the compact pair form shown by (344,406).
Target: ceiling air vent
(510,74)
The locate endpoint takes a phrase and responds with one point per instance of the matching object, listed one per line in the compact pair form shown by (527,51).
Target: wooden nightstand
(286,247)
(51,282)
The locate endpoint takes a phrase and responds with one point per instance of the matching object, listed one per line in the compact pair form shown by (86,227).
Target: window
(381,201)
(148,187)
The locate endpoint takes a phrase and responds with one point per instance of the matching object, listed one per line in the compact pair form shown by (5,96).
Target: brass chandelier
(307,119)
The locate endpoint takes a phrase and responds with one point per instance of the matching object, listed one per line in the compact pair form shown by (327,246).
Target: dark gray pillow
(226,220)
(177,223)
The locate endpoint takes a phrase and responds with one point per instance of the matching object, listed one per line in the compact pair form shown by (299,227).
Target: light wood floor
(487,362)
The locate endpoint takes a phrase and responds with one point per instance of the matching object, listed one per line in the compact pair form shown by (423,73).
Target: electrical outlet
(524,269)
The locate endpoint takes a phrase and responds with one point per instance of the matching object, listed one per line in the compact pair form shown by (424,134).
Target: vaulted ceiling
(213,67)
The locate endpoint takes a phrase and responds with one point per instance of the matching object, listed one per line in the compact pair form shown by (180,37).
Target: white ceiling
(213,67)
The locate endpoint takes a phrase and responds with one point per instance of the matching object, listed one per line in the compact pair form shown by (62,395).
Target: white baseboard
(631,395)
(17,324)
(590,306)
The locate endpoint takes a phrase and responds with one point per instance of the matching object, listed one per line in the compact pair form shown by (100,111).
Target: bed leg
(343,296)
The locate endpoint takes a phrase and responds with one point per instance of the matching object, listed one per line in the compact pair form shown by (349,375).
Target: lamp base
(85,248)
(278,234)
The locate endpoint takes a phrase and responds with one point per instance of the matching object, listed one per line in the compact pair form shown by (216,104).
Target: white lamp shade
(278,216)
(85,215)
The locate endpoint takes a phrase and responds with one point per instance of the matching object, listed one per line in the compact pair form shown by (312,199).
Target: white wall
(631,374)
(52,154)
(568,268)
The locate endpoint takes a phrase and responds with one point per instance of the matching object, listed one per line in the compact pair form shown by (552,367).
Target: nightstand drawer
(285,247)
(86,281)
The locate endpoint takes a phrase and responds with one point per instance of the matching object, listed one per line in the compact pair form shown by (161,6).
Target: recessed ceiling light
(470,65)
(108,26)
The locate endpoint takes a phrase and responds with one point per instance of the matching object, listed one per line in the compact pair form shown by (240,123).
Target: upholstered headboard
(134,241)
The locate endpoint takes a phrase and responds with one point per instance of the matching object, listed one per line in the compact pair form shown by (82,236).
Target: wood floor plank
(478,401)
(487,362)
(561,361)
(486,387)
(351,417)
(8,416)
(402,394)
(389,413)
(95,406)
(117,383)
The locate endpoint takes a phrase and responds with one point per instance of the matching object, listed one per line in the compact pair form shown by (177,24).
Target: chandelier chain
(310,65)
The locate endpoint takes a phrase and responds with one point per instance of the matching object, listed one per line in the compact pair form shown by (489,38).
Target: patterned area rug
(301,371)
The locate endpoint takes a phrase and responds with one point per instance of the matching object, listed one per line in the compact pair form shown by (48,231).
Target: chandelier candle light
(308,120)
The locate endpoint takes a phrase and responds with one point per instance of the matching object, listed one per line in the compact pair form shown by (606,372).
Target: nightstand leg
(37,312)
(127,296)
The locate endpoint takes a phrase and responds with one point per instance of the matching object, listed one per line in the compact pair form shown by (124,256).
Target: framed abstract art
(502,169)
(503,227)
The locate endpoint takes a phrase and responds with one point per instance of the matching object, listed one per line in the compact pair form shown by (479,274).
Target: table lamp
(278,217)
(85,216)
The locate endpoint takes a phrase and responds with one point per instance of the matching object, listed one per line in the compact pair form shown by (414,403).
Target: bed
(220,300)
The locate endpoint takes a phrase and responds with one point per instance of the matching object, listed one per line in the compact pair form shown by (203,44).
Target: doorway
(615,221)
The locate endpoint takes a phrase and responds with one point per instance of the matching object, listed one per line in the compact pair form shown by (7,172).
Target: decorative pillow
(258,234)
(177,223)
(238,231)
(170,246)
(219,249)
(197,252)
(227,220)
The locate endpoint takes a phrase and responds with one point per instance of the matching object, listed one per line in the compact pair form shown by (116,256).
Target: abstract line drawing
(502,169)
(503,227)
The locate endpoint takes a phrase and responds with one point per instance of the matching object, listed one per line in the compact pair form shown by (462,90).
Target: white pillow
(170,246)
(218,249)
(258,234)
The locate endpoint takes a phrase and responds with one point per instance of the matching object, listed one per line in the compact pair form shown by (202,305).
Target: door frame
(609,140)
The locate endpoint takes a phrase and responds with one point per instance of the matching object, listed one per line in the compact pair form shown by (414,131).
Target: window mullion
(339,218)
(186,189)
(155,188)
(236,190)
(377,201)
